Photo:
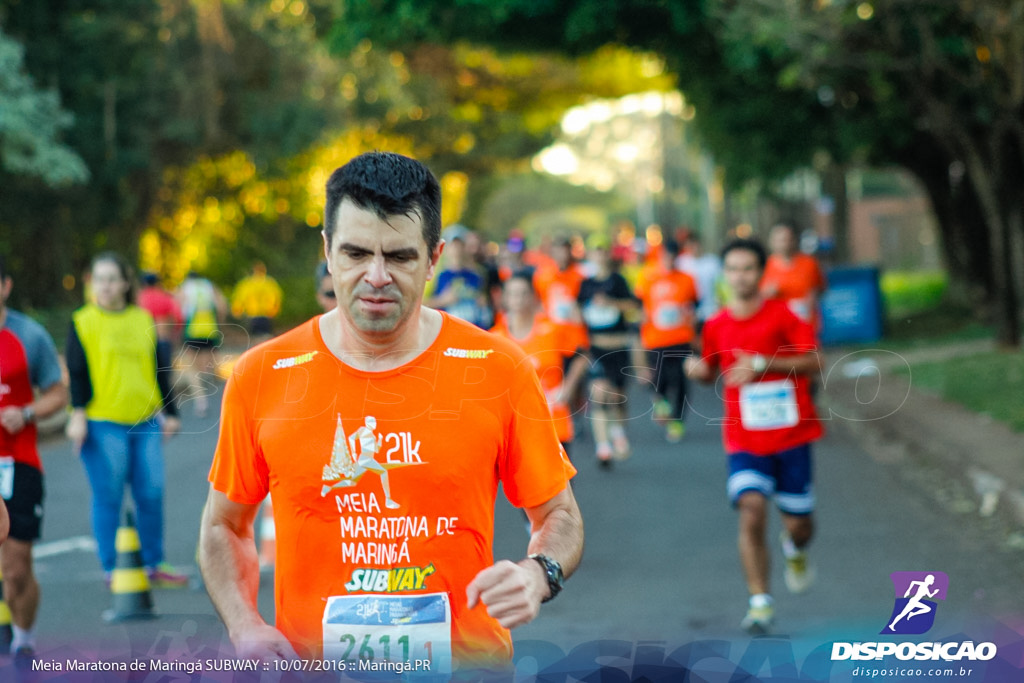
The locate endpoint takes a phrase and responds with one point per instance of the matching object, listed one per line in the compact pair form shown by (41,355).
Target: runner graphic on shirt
(351,460)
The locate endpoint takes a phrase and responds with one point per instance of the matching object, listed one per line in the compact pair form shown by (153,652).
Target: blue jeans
(117,454)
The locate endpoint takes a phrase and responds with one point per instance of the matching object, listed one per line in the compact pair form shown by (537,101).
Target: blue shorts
(784,476)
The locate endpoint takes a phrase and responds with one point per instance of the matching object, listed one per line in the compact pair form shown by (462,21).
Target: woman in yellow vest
(119,386)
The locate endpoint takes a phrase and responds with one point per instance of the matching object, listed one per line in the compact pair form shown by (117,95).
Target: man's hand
(262,642)
(171,426)
(742,371)
(77,429)
(512,592)
(12,419)
(697,368)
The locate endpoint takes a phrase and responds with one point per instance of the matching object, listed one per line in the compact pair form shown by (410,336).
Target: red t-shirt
(776,412)
(445,428)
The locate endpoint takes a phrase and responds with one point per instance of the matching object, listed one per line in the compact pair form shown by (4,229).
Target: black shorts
(260,325)
(25,506)
(610,364)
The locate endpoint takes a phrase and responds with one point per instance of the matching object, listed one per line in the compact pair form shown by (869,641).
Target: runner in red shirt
(765,355)
(382,430)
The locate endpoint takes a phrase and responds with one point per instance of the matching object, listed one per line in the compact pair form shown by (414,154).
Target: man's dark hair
(3,267)
(387,184)
(526,276)
(671,247)
(747,245)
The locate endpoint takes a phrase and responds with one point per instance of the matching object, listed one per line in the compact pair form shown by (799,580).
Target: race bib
(388,628)
(6,477)
(562,309)
(669,316)
(769,405)
(600,317)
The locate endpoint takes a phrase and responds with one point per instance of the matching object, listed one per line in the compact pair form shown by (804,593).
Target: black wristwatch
(553,572)
(28,415)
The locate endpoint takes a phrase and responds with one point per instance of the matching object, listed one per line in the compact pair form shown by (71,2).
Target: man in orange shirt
(669,298)
(399,569)
(791,276)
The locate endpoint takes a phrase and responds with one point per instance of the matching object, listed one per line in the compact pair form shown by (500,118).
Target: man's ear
(434,259)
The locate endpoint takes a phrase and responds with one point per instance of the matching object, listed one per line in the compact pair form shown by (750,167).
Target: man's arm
(52,399)
(747,367)
(513,591)
(230,567)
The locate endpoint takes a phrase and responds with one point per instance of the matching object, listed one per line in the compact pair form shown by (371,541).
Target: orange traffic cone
(6,634)
(129,582)
(268,535)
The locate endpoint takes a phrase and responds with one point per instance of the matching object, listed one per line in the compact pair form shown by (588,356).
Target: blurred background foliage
(196,134)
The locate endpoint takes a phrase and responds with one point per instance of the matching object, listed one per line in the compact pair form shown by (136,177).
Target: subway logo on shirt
(397,580)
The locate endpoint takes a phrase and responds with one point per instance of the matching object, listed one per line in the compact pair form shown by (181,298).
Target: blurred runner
(765,355)
(164,308)
(257,299)
(669,299)
(325,288)
(28,359)
(119,387)
(552,349)
(204,308)
(459,287)
(605,300)
(706,271)
(449,410)
(791,276)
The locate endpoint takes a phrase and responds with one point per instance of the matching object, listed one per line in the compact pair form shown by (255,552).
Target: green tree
(31,125)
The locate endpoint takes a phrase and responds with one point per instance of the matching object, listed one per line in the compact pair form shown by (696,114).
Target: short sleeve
(620,288)
(44,364)
(239,470)
(534,468)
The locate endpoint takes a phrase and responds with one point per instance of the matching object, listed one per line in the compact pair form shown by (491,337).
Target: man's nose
(377,273)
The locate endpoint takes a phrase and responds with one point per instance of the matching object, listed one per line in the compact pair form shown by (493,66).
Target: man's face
(742,273)
(782,241)
(518,296)
(379,268)
(562,253)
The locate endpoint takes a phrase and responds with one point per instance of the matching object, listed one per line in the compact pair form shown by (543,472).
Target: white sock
(761,600)
(22,638)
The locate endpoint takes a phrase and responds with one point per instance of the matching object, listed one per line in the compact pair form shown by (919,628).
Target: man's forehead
(355,225)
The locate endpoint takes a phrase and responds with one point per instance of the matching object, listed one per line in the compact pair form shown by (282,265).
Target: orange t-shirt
(558,291)
(548,346)
(670,302)
(796,283)
(447,427)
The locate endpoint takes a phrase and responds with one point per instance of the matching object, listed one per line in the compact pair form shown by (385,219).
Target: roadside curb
(894,421)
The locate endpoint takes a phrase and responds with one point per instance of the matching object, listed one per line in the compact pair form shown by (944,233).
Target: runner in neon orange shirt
(792,276)
(669,298)
(552,349)
(455,411)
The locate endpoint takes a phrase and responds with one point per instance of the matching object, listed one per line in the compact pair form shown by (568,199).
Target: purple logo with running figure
(916,593)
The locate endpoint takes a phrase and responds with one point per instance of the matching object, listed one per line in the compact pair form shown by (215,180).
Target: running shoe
(675,431)
(604,455)
(758,620)
(164,575)
(662,411)
(799,573)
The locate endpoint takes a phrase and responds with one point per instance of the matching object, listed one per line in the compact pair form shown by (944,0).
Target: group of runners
(409,418)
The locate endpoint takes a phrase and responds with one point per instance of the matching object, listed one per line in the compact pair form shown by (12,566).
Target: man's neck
(3,315)
(521,324)
(379,352)
(744,308)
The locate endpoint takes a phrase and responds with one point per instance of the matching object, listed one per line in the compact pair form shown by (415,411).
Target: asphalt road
(660,570)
